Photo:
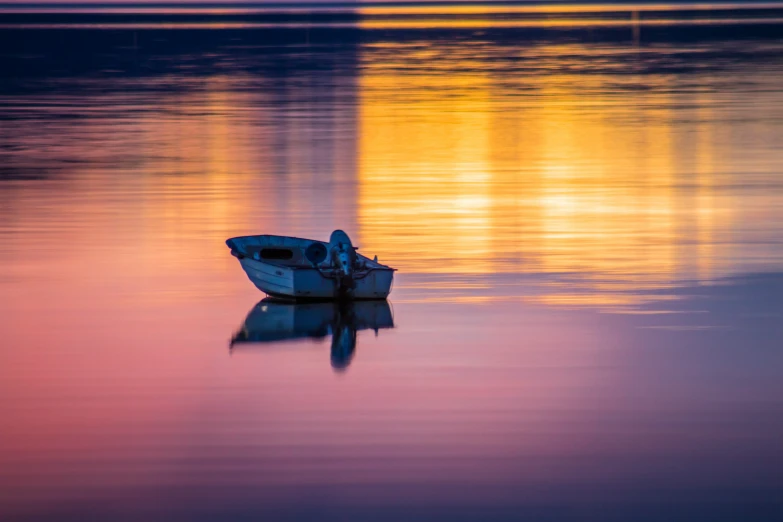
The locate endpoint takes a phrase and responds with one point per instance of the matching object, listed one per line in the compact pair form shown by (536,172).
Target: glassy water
(587,217)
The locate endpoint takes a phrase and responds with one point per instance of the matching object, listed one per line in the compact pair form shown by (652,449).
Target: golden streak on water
(487,23)
(451,8)
(458,173)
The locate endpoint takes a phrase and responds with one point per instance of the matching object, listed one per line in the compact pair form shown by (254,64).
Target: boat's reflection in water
(274,320)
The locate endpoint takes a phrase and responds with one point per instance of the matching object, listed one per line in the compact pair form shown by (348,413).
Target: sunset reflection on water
(559,166)
(599,162)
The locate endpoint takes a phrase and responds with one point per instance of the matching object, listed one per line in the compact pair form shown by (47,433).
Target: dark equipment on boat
(316,253)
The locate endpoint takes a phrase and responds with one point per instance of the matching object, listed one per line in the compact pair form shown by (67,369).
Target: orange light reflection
(464,170)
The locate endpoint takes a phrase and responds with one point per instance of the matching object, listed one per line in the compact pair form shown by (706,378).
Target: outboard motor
(343,257)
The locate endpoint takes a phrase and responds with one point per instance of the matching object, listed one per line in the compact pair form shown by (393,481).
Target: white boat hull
(308,283)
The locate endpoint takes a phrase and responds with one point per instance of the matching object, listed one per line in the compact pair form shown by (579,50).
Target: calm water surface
(588,315)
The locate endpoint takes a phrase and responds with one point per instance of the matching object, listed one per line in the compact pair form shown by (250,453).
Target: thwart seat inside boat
(277,254)
(281,250)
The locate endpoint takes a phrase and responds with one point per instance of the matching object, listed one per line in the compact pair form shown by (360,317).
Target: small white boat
(296,268)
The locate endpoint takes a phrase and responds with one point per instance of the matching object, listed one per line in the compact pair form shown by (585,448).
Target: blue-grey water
(585,205)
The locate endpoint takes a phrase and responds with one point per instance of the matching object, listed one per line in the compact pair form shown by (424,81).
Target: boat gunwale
(241,255)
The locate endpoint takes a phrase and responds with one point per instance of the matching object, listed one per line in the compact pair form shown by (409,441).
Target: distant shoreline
(383,14)
(533,5)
